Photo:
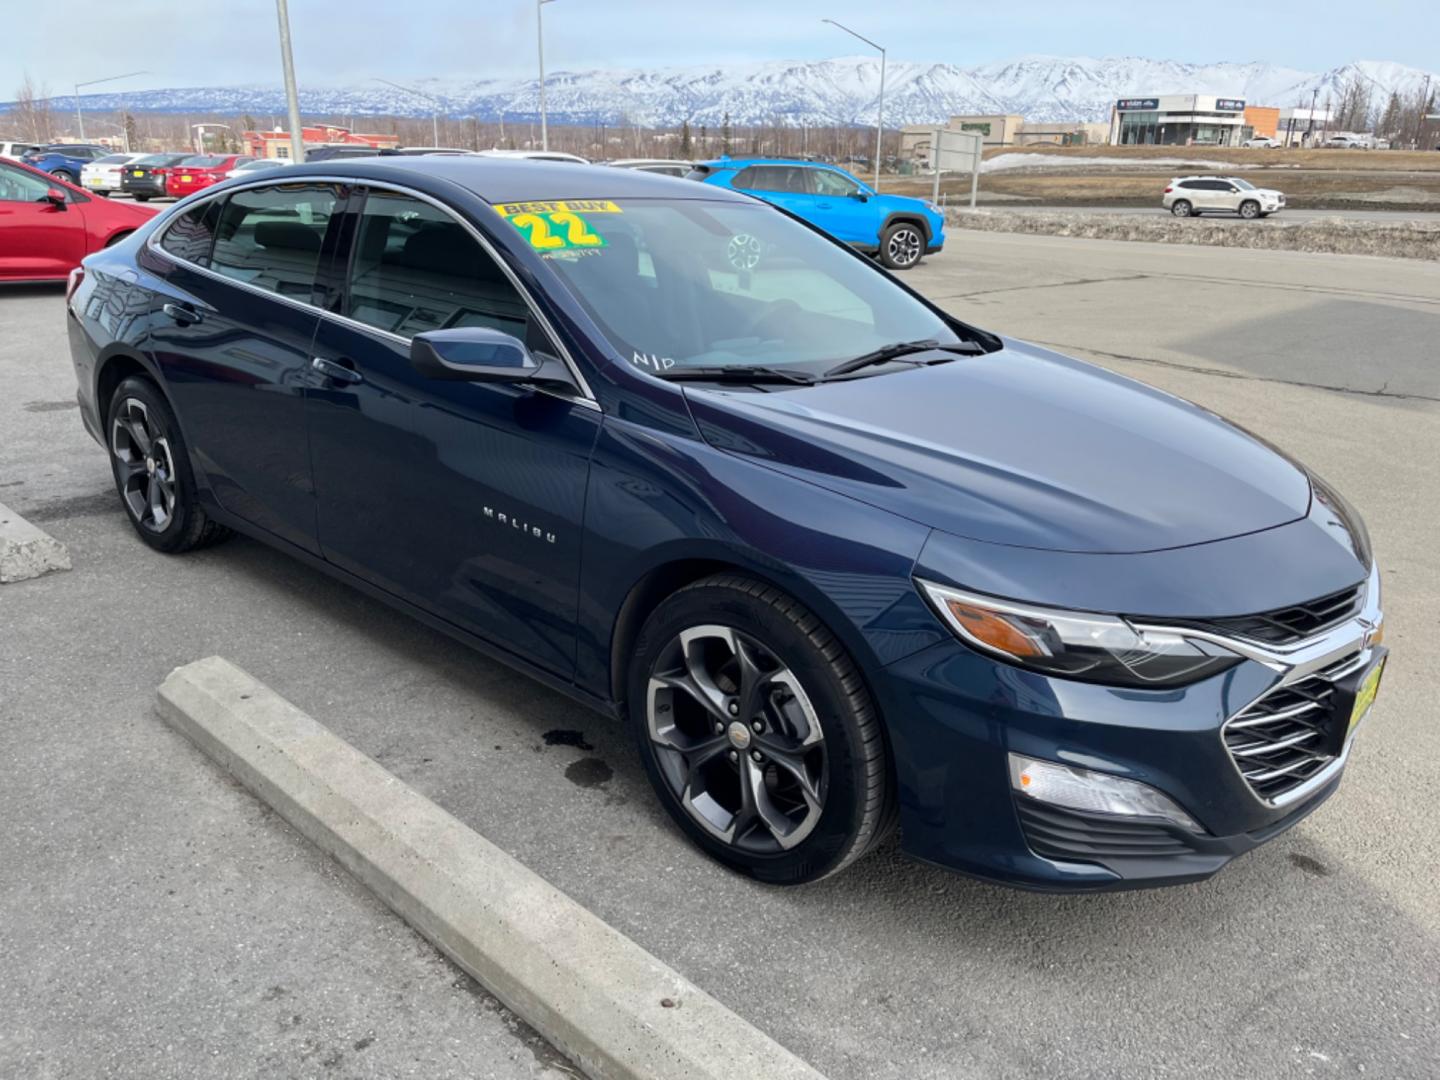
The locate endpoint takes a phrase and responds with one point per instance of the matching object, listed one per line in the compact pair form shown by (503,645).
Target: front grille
(1072,836)
(1283,739)
(1285,626)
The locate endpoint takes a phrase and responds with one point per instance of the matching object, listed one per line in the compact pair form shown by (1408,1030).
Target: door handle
(183,314)
(334,369)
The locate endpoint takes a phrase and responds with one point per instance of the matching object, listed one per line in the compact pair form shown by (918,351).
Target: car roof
(505,179)
(743,162)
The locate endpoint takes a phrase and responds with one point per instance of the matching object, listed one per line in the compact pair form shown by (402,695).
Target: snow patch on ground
(1002,162)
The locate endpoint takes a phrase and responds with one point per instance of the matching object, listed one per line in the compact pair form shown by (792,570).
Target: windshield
(1243,185)
(685,283)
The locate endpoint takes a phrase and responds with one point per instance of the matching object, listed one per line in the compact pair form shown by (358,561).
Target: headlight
(1095,648)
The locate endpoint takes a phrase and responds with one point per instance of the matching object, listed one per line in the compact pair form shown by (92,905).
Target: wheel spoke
(710,699)
(795,766)
(785,830)
(138,435)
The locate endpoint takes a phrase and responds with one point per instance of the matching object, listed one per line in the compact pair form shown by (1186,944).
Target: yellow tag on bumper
(1365,696)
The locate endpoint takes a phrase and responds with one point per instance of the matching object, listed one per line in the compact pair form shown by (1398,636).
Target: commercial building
(1303,127)
(276,143)
(1178,120)
(995,131)
(1261,121)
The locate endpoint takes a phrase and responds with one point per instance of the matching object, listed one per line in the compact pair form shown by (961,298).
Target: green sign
(983,129)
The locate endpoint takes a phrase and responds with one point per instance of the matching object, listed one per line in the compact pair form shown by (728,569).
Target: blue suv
(65,160)
(897,229)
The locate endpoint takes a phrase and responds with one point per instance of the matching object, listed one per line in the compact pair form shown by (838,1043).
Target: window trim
(586,397)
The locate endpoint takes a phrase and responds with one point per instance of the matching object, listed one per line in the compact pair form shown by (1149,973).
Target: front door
(843,208)
(232,330)
(38,238)
(464,498)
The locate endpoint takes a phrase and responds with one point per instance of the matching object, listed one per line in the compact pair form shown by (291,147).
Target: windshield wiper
(737,373)
(900,349)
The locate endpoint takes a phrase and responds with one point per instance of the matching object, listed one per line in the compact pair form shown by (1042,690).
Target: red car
(200,171)
(47,225)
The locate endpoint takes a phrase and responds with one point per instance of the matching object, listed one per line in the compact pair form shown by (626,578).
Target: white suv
(1186,196)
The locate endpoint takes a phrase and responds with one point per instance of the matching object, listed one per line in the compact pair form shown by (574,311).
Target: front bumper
(954,717)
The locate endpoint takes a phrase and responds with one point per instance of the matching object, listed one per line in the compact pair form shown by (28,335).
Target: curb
(25,551)
(607,1004)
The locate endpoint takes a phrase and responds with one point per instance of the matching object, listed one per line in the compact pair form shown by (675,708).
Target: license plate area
(1353,697)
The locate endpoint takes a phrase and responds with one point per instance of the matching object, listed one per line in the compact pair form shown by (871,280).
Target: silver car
(1187,196)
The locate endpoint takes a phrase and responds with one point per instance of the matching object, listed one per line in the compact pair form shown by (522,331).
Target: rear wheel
(1249,209)
(141,198)
(1182,208)
(901,245)
(152,471)
(66,175)
(757,732)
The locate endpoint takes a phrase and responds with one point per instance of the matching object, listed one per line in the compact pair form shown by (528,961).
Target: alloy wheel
(145,466)
(737,739)
(904,247)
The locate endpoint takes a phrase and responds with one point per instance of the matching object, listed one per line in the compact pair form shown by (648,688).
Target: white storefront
(1177,120)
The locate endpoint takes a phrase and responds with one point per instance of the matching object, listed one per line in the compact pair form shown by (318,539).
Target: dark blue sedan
(840,560)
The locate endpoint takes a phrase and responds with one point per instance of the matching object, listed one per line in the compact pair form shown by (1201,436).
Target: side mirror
(56,198)
(480,354)
(860,196)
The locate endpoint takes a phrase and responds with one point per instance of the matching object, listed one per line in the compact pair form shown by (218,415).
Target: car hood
(1021,446)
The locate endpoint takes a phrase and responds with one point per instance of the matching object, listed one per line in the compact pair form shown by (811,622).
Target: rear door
(236,317)
(38,239)
(463,498)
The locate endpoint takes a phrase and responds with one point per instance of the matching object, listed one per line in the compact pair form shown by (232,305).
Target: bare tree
(33,113)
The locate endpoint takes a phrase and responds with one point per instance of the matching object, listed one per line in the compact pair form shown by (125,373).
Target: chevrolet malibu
(841,561)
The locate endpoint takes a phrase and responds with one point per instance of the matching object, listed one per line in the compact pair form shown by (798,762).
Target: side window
(17,185)
(832,183)
(191,235)
(415,268)
(745,178)
(781,178)
(271,237)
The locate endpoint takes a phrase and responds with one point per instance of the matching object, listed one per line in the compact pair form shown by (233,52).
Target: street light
(540,51)
(292,95)
(434,114)
(880,109)
(79,116)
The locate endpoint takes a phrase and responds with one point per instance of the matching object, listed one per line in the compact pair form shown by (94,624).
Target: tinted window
(271,237)
(833,183)
(17,185)
(1193,185)
(784,178)
(201,161)
(189,237)
(415,268)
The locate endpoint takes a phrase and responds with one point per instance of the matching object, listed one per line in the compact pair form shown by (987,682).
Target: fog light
(1093,792)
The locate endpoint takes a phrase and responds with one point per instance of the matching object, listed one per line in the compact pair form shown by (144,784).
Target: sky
(338,42)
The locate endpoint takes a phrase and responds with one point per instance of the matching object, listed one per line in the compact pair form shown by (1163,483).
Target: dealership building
(1178,120)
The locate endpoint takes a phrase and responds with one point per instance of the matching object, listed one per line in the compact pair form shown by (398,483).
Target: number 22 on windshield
(557,230)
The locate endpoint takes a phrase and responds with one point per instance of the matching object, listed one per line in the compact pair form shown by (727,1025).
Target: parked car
(1190,196)
(1263,141)
(847,559)
(199,171)
(249,168)
(144,178)
(47,224)
(102,176)
(663,166)
(1344,140)
(15,150)
(341,152)
(895,228)
(64,160)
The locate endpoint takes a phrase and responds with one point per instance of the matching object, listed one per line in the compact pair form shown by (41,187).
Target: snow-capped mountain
(814,93)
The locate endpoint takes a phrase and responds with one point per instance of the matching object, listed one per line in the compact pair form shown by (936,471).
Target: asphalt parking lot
(158,922)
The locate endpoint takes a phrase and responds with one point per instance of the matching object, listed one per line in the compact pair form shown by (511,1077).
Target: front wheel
(757,732)
(1181,208)
(141,198)
(152,471)
(1249,209)
(901,246)
(65,175)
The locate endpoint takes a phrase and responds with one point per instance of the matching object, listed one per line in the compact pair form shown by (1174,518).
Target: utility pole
(80,116)
(540,52)
(292,95)
(880,111)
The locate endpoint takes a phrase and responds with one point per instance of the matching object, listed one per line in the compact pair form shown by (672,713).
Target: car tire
(901,245)
(1182,208)
(782,775)
(65,175)
(1249,209)
(152,472)
(141,198)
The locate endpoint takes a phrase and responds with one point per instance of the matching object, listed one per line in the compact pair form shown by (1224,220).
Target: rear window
(271,237)
(201,161)
(112,159)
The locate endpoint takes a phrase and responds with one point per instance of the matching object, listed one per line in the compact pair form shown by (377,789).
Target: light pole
(292,95)
(79,116)
(540,52)
(434,112)
(880,109)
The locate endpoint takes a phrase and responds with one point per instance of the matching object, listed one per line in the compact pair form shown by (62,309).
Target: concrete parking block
(614,1009)
(25,551)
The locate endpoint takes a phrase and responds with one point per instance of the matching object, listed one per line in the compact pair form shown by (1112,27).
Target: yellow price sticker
(556,231)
